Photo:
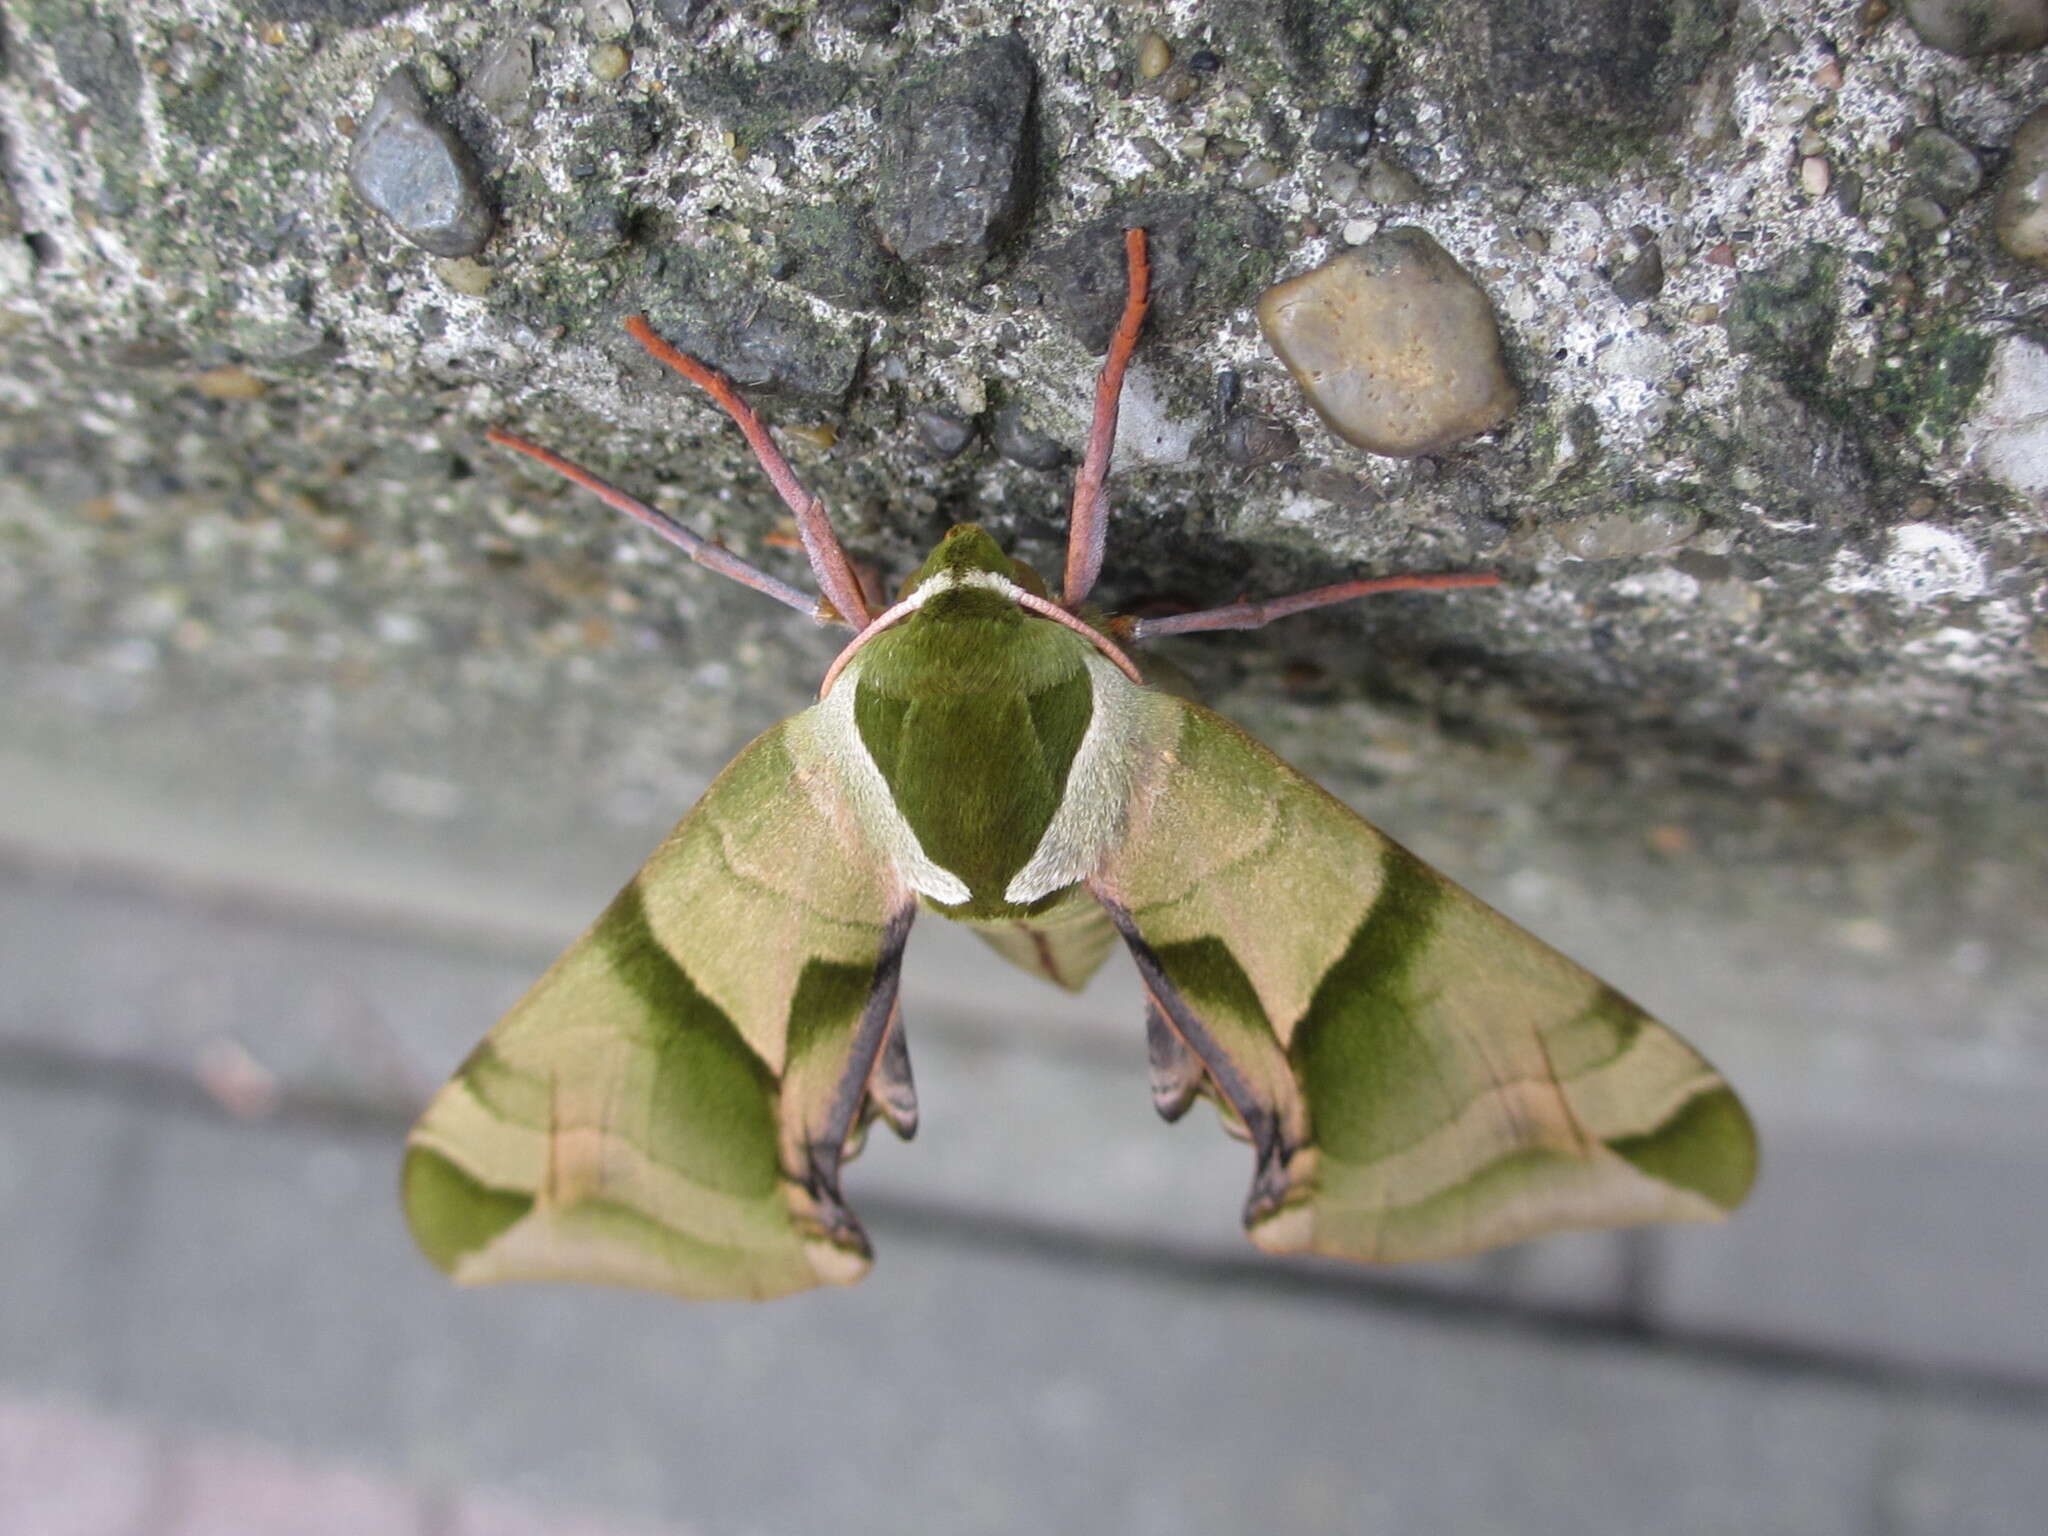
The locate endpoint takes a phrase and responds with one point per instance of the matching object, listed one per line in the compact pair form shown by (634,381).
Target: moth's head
(966,548)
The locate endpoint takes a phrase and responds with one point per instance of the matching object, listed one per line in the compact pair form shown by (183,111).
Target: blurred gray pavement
(210,1299)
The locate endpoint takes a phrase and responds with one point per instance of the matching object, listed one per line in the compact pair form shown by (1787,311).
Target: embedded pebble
(767,341)
(1565,83)
(342,13)
(1342,130)
(1249,441)
(2007,425)
(954,177)
(2021,215)
(418,174)
(1386,182)
(1942,168)
(1020,445)
(608,20)
(608,61)
(1793,109)
(1155,56)
(503,79)
(1813,176)
(434,74)
(1969,29)
(870,18)
(1341,181)
(1641,280)
(684,15)
(945,434)
(1204,252)
(1922,212)
(1393,344)
(465,274)
(229,383)
(1653,528)
(830,251)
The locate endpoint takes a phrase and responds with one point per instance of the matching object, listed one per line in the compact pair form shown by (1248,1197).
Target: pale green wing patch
(668,1106)
(1421,1077)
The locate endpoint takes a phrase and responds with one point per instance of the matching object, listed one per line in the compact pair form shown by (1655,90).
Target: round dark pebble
(1342,130)
(415,171)
(955,179)
(1020,445)
(945,434)
(686,15)
(1641,280)
(871,18)
(1249,441)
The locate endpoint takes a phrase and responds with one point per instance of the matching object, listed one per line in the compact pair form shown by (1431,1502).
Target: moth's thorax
(984,737)
(968,551)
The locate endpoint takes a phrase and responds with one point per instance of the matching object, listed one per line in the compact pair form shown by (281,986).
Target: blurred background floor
(215,1322)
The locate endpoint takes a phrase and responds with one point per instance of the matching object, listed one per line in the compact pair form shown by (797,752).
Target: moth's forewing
(649,1113)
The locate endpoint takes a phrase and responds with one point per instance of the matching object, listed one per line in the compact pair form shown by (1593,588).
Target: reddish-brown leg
(712,556)
(828,559)
(1088,522)
(1253,615)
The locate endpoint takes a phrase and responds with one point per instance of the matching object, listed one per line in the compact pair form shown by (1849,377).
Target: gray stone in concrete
(413,169)
(955,175)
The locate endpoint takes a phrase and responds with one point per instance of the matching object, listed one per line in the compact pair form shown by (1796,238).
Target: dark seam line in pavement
(528,950)
(1322,1282)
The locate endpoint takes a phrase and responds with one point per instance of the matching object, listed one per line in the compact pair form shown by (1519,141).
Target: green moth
(670,1105)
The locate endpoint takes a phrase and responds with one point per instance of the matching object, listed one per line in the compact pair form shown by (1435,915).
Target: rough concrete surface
(322,723)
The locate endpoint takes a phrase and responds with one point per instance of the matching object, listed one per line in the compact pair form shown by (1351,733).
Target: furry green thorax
(969,547)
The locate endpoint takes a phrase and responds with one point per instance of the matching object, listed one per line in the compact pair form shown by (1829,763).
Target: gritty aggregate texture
(1769,510)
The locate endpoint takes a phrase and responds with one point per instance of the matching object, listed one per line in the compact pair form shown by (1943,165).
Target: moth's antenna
(828,559)
(1088,522)
(712,556)
(1254,615)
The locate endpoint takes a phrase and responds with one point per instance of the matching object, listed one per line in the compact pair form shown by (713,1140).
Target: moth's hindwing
(1065,944)
(1420,1077)
(653,1112)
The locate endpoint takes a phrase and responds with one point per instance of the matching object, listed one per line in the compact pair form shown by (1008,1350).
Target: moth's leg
(1277,1128)
(712,556)
(1177,1073)
(892,1091)
(826,1150)
(828,559)
(1243,615)
(1088,522)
